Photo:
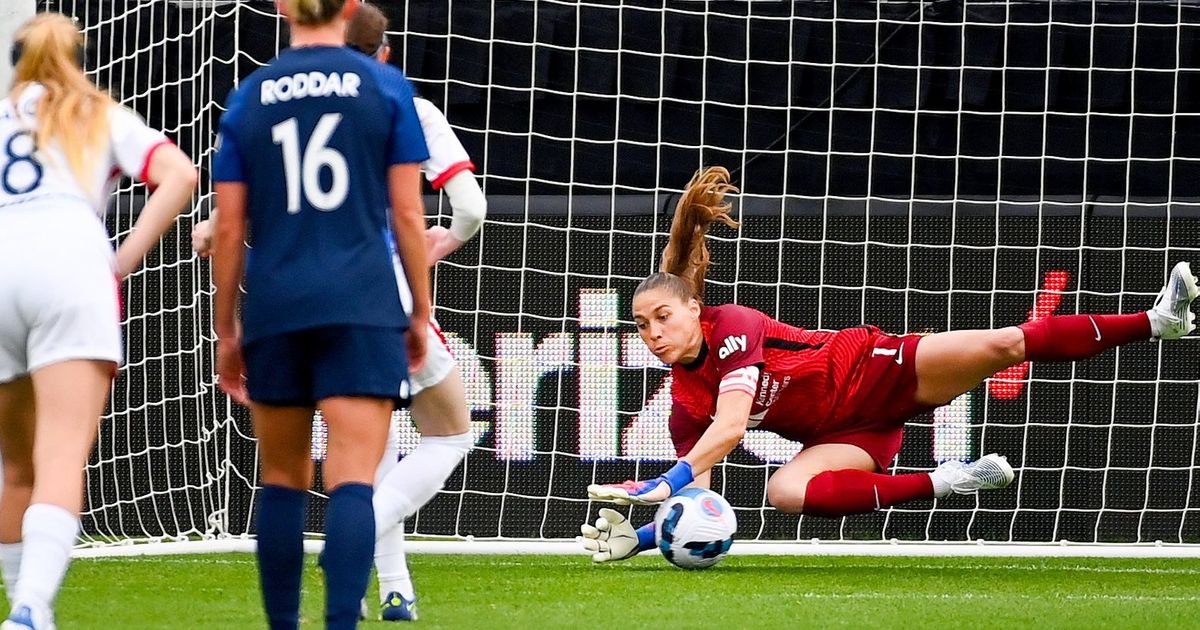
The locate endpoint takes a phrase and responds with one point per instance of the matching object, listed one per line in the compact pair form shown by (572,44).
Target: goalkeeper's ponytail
(686,258)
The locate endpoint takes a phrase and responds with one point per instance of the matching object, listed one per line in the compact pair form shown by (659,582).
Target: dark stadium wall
(854,86)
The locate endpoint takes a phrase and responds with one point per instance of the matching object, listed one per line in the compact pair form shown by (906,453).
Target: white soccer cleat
(986,473)
(611,538)
(1172,316)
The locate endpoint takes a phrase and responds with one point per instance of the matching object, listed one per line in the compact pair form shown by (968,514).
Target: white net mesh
(916,166)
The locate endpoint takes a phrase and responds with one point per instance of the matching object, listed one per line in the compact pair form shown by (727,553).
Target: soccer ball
(694,529)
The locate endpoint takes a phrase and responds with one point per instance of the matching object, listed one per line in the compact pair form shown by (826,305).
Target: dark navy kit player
(318,172)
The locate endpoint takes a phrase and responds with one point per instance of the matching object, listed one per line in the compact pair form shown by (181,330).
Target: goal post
(916,166)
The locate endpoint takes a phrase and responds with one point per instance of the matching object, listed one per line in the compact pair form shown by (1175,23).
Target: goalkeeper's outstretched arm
(613,537)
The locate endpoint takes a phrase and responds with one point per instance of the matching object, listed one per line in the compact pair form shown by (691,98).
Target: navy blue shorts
(299,368)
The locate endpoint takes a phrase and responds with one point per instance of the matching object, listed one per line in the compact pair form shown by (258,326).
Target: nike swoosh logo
(1094,326)
(899,361)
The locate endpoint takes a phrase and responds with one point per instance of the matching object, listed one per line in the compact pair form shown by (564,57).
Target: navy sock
(349,550)
(281,553)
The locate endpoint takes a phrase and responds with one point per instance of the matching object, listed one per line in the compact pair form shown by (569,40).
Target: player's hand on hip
(611,538)
(231,369)
(648,492)
(202,238)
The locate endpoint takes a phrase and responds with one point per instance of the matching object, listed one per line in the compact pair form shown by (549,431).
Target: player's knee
(787,495)
(1007,345)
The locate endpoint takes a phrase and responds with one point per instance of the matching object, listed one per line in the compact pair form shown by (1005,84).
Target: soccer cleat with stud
(1172,316)
(395,607)
(989,472)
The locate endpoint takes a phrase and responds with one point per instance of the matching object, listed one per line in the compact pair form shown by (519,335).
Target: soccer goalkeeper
(845,394)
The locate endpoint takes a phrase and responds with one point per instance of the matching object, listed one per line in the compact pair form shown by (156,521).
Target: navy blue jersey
(312,135)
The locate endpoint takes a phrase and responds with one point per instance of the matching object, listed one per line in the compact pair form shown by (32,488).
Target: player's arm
(718,440)
(726,431)
(147,155)
(229,255)
(408,223)
(172,176)
(449,168)
(468,207)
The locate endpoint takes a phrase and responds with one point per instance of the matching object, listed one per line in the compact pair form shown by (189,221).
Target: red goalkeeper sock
(1074,337)
(842,492)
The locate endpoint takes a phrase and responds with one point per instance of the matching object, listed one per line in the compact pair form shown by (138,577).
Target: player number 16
(308,170)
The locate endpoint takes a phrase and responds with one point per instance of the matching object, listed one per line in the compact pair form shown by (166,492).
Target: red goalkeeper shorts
(882,400)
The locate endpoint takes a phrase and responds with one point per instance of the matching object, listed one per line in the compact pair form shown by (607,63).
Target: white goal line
(744,548)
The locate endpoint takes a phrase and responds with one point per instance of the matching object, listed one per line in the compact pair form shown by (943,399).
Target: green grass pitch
(220,591)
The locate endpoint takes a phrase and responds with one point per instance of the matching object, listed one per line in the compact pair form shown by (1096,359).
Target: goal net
(916,166)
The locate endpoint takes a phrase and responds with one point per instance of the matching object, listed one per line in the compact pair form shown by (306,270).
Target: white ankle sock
(392,564)
(48,532)
(940,487)
(10,565)
(1155,324)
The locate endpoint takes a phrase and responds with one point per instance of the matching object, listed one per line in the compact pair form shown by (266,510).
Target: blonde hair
(72,112)
(314,12)
(686,258)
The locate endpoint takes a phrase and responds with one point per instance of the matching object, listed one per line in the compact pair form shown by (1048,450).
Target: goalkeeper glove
(614,538)
(647,492)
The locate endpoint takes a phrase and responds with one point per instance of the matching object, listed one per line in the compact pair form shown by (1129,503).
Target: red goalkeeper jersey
(807,382)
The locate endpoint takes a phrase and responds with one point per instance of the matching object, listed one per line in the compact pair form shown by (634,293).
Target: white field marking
(208,559)
(1004,567)
(988,597)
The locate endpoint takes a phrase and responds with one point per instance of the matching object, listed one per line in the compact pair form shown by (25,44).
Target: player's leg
(835,468)
(440,413)
(842,477)
(358,374)
(284,450)
(17,417)
(69,397)
(357,431)
(951,363)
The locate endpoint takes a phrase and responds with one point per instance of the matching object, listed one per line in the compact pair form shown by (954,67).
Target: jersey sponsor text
(731,344)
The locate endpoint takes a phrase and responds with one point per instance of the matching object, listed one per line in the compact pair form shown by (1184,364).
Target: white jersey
(447,157)
(44,177)
(59,296)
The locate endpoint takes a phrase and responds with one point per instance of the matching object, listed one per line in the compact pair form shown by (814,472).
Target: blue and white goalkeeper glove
(614,538)
(647,492)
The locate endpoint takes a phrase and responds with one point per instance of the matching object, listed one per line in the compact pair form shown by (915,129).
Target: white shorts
(438,362)
(58,292)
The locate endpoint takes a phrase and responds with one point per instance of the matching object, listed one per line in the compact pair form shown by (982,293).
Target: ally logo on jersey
(732,344)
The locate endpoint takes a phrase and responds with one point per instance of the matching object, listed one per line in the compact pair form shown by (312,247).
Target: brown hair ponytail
(686,258)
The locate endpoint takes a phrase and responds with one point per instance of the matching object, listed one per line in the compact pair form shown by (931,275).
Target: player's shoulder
(731,313)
